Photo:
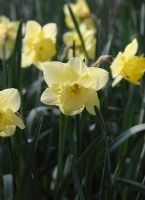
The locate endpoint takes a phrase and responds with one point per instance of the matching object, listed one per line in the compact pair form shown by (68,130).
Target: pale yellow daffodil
(81,11)
(89,39)
(72,86)
(8,33)
(9,105)
(39,43)
(128,66)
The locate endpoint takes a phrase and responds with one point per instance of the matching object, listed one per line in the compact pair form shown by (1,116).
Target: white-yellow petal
(57,72)
(78,66)
(49,97)
(117,65)
(117,80)
(53,72)
(9,98)
(27,58)
(50,30)
(13,119)
(32,29)
(92,101)
(131,48)
(96,80)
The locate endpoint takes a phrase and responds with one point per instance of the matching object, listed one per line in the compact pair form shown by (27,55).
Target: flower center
(74,89)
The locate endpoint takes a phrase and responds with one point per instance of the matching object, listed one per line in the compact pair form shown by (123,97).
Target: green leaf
(126,135)
(77,181)
(81,161)
(15,69)
(8,186)
(62,138)
(133,185)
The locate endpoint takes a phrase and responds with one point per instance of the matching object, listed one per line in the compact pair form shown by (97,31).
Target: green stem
(62,138)
(4,67)
(78,136)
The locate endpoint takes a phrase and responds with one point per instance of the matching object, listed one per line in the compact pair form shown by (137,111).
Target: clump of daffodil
(89,39)
(82,13)
(72,86)
(39,43)
(8,32)
(9,105)
(128,66)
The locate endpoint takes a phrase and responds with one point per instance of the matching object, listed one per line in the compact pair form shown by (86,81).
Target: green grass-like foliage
(98,157)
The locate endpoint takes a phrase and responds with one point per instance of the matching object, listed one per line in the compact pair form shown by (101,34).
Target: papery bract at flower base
(128,66)
(8,32)
(72,86)
(39,43)
(9,105)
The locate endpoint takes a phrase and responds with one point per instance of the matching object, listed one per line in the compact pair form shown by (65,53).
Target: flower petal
(53,72)
(96,80)
(32,29)
(117,80)
(49,97)
(117,65)
(10,98)
(57,72)
(131,48)
(50,30)
(92,101)
(78,66)
(13,119)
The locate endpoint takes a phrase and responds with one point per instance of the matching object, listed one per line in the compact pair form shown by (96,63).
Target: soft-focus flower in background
(72,86)
(9,105)
(81,12)
(89,40)
(8,33)
(39,43)
(128,66)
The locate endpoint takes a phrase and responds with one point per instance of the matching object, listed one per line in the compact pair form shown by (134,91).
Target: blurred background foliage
(107,159)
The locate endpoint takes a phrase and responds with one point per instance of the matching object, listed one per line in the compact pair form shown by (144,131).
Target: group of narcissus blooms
(72,86)
(87,28)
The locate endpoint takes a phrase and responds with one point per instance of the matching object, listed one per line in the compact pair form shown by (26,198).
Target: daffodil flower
(9,105)
(72,86)
(128,66)
(39,43)
(89,40)
(81,11)
(8,32)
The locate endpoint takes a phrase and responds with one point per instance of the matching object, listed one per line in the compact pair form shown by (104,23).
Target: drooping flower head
(39,43)
(128,66)
(81,12)
(8,32)
(89,39)
(9,105)
(72,86)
